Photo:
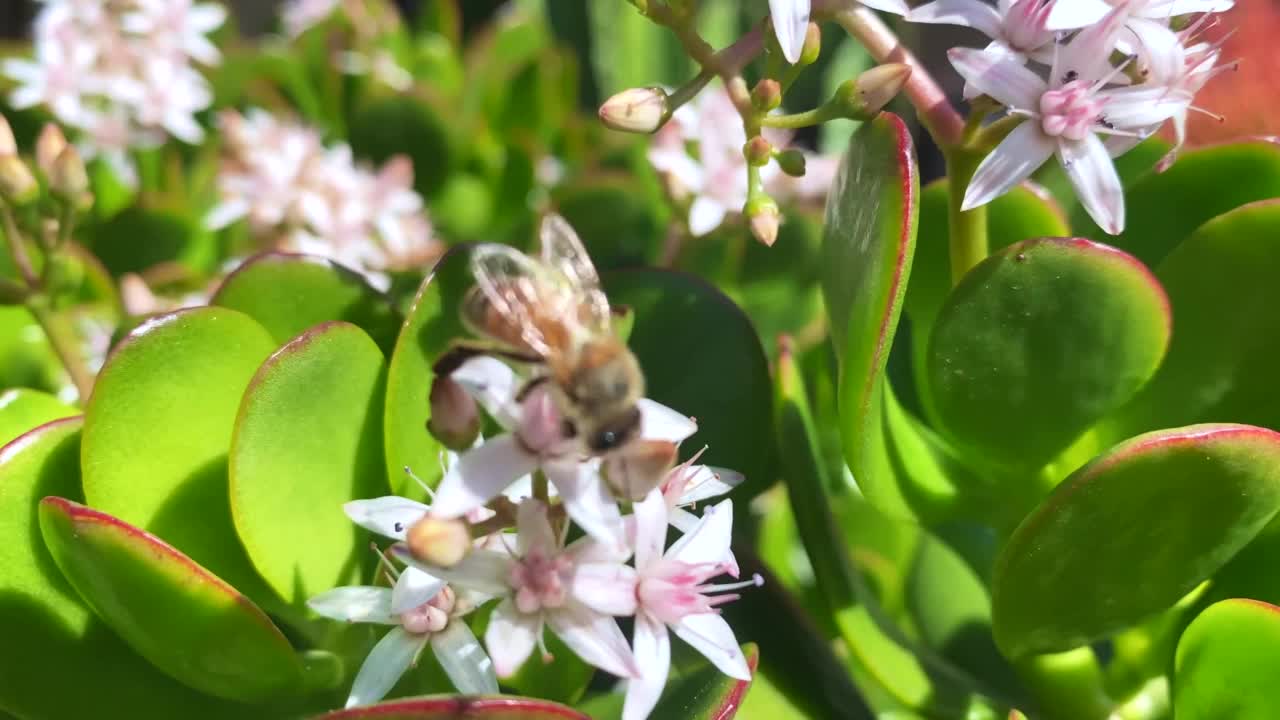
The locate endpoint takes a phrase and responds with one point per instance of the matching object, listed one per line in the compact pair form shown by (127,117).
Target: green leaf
(403,125)
(287,294)
(185,620)
(1221,284)
(705,693)
(701,356)
(458,707)
(617,226)
(1131,167)
(431,323)
(867,248)
(1165,208)
(1227,662)
(26,360)
(297,455)
(158,427)
(1024,212)
(22,409)
(52,642)
(138,238)
(1131,533)
(1038,342)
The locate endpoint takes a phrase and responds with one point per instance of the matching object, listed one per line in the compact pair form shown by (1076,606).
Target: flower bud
(638,110)
(68,179)
(438,542)
(792,162)
(865,96)
(767,95)
(455,419)
(758,151)
(762,217)
(639,468)
(48,146)
(17,185)
(812,45)
(8,146)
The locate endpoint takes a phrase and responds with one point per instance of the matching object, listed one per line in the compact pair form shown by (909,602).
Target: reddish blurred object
(1247,97)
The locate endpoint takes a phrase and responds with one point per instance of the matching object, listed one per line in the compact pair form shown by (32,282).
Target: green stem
(1068,686)
(686,92)
(64,343)
(805,119)
(968,228)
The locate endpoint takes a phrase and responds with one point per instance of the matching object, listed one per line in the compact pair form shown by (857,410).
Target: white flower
(671,590)
(534,442)
(434,620)
(1066,115)
(1071,14)
(1016,27)
(539,587)
(791,21)
(299,16)
(178,26)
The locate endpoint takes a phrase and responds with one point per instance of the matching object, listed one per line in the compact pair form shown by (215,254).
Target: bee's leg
(463,350)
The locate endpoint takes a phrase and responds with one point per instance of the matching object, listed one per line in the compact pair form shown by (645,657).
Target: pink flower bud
(455,419)
(638,110)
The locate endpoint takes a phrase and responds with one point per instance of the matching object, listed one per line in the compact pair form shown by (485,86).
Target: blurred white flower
(120,72)
(298,16)
(300,196)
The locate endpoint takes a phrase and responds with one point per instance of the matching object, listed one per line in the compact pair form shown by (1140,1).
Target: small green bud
(49,145)
(757,151)
(865,96)
(762,217)
(791,162)
(17,185)
(812,45)
(68,179)
(767,95)
(638,110)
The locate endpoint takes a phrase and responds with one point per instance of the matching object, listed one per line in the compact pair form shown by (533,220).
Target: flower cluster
(121,73)
(299,195)
(1051,62)
(537,579)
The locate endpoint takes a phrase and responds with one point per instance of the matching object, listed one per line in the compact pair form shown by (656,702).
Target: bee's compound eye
(615,433)
(605,440)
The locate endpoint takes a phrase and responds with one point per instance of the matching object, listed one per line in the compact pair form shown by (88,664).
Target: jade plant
(540,364)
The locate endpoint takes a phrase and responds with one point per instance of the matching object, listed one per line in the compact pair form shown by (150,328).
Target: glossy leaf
(185,620)
(308,438)
(22,409)
(457,707)
(1165,208)
(394,124)
(1131,533)
(701,356)
(1038,342)
(705,693)
(1221,284)
(867,249)
(288,294)
(158,427)
(1227,662)
(52,642)
(430,324)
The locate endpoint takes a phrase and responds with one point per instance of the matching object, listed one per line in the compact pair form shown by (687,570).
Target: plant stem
(799,120)
(17,250)
(935,110)
(1067,685)
(968,228)
(63,341)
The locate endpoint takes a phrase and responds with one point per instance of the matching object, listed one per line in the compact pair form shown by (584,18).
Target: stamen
(547,657)
(417,654)
(1115,71)
(757,580)
(426,488)
(384,564)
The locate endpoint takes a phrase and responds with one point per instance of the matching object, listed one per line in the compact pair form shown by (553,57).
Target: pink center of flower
(540,581)
(431,616)
(671,589)
(1070,111)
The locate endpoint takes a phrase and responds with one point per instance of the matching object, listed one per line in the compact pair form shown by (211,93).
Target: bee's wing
(516,300)
(562,251)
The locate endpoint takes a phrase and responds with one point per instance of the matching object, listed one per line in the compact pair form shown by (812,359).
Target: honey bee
(550,311)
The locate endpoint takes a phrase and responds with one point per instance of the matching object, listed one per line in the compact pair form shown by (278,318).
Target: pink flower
(1016,27)
(1066,115)
(539,587)
(1071,14)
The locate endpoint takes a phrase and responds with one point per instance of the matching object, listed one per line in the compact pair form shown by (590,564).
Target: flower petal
(387,661)
(659,422)
(705,215)
(510,637)
(652,647)
(480,474)
(389,516)
(709,541)
(587,500)
(897,7)
(999,75)
(464,660)
(708,482)
(414,588)
(1097,185)
(482,570)
(1013,160)
(969,13)
(609,588)
(1072,14)
(359,603)
(594,637)
(651,519)
(1140,107)
(533,528)
(683,520)
(710,635)
(790,24)
(494,385)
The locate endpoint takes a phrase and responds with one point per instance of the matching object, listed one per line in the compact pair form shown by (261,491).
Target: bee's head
(614,432)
